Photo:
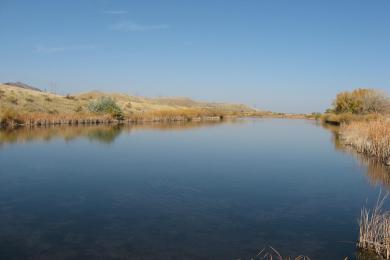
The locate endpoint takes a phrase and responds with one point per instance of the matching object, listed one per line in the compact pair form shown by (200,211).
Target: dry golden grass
(29,107)
(374,234)
(347,118)
(371,138)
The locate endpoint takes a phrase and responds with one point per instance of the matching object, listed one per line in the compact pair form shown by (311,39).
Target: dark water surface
(182,191)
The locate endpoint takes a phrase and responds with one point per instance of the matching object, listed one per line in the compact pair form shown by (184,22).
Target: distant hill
(22,85)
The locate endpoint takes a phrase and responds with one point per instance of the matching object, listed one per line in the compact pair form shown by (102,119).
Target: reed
(338,119)
(188,114)
(374,234)
(371,138)
(11,117)
(271,253)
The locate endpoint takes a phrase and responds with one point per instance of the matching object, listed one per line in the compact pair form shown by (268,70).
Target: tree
(375,102)
(361,101)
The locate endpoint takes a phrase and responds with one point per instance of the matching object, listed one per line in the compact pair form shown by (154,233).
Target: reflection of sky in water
(220,191)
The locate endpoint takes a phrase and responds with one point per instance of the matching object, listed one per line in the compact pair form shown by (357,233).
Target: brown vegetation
(23,106)
(361,101)
(357,105)
(371,138)
(374,234)
(338,119)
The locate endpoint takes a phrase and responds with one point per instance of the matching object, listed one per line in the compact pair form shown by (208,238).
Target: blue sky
(278,55)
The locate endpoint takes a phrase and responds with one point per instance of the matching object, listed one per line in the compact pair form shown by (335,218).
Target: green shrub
(106,105)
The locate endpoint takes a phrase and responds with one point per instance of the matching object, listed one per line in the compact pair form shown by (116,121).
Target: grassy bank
(369,137)
(20,106)
(11,118)
(345,118)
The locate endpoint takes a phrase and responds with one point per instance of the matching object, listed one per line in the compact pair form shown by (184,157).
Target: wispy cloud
(115,12)
(54,49)
(128,26)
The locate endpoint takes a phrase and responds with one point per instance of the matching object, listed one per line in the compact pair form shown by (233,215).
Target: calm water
(181,191)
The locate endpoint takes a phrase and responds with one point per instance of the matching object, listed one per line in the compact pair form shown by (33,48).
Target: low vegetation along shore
(374,234)
(21,104)
(364,116)
(364,119)
(369,137)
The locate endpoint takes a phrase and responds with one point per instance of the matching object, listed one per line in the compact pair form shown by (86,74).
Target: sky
(284,56)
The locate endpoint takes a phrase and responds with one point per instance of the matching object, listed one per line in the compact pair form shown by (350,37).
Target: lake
(182,191)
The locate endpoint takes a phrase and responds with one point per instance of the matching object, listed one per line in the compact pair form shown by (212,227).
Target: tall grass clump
(338,119)
(106,105)
(374,234)
(10,117)
(371,138)
(179,114)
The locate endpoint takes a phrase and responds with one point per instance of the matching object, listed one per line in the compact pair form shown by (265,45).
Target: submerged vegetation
(270,253)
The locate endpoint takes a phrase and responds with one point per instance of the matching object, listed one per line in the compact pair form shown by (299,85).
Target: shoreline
(33,120)
(106,121)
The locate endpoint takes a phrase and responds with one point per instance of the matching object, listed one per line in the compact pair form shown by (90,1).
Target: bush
(106,105)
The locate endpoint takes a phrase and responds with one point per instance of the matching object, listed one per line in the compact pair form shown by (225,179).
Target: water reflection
(377,172)
(213,193)
(104,134)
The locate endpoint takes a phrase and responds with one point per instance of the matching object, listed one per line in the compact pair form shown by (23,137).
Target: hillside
(29,101)
(22,85)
